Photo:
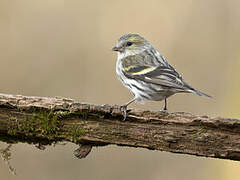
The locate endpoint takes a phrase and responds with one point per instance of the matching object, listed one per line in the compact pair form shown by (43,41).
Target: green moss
(40,123)
(25,125)
(76,133)
(12,118)
(12,131)
(47,121)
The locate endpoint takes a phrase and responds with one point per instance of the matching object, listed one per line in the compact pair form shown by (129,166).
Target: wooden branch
(46,120)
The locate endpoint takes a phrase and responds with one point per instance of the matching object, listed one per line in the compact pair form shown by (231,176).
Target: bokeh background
(63,48)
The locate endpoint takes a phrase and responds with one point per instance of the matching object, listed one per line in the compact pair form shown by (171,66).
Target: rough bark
(46,120)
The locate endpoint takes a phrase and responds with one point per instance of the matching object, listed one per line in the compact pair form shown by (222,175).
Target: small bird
(146,73)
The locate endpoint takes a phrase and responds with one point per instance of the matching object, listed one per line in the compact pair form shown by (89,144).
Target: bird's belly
(141,90)
(145,91)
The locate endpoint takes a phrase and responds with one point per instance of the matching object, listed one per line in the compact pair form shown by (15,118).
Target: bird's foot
(124,110)
(163,111)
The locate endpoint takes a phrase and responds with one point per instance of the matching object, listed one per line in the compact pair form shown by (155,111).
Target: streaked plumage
(146,73)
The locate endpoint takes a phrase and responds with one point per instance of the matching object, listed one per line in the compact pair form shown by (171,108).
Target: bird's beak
(115,48)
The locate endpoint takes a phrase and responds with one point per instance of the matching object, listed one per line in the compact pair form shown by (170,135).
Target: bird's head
(131,44)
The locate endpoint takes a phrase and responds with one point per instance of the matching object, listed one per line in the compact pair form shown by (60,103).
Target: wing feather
(147,68)
(160,75)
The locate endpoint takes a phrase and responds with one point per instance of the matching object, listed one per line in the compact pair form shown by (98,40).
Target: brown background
(63,48)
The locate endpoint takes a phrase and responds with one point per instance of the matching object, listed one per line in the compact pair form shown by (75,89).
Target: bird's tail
(200,93)
(192,90)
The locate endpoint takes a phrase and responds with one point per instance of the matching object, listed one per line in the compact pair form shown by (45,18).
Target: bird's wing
(136,68)
(160,75)
(156,71)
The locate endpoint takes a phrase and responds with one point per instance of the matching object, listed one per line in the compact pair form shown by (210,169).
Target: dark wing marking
(161,75)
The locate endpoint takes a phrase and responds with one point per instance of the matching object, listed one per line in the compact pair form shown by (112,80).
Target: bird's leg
(165,107)
(124,108)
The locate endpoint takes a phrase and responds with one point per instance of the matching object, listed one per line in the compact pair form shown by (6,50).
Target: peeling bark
(47,120)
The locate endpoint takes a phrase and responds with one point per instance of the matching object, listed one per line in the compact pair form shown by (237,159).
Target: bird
(146,73)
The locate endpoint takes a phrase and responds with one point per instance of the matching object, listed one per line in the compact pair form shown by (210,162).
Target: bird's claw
(164,111)
(124,110)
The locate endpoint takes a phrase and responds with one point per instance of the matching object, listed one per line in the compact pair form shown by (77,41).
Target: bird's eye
(129,43)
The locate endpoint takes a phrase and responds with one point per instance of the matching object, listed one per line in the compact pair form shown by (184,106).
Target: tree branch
(46,120)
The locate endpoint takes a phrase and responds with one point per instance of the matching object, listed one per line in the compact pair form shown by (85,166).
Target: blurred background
(63,48)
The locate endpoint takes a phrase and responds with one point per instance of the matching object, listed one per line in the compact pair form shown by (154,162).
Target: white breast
(129,83)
